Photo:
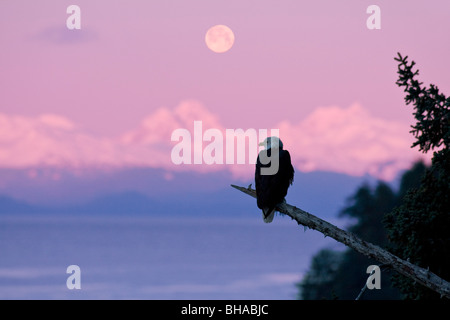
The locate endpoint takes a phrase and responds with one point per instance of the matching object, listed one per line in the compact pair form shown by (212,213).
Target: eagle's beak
(262,144)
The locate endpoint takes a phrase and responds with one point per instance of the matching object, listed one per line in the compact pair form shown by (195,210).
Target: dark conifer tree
(419,227)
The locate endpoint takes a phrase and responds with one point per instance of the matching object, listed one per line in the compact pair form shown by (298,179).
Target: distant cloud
(61,35)
(158,127)
(347,140)
(56,121)
(150,143)
(51,140)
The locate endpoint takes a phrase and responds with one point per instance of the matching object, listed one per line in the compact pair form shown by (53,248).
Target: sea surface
(154,257)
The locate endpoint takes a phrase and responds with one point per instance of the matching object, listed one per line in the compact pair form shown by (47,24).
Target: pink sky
(310,68)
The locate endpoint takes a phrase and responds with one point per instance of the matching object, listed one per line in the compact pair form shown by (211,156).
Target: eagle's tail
(268,214)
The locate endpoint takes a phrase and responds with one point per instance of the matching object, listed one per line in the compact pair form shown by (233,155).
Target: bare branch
(420,275)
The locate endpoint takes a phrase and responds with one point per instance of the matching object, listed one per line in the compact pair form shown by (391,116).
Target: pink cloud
(50,140)
(56,121)
(150,143)
(157,128)
(347,140)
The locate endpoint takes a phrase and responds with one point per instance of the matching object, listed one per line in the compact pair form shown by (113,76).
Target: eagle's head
(272,143)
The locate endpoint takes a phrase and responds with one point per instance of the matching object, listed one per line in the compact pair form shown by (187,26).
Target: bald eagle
(272,188)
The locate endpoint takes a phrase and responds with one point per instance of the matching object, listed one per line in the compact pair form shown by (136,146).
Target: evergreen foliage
(413,222)
(419,227)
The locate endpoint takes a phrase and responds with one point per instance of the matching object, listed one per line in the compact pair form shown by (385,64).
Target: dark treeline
(342,274)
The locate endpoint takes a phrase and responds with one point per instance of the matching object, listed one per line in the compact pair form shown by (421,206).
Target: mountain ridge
(147,191)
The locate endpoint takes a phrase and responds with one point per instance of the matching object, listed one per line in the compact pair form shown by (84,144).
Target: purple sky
(310,67)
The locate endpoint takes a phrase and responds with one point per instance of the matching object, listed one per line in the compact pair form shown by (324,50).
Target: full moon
(219,38)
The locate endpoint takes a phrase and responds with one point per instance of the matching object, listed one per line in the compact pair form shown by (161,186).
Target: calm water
(154,258)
